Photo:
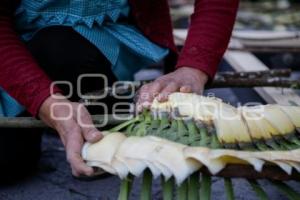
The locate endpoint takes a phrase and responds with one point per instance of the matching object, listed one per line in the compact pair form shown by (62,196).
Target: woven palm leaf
(190,138)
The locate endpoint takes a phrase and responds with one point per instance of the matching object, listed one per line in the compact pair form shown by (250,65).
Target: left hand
(184,79)
(73,130)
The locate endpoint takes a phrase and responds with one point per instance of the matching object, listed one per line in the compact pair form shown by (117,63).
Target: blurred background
(269,28)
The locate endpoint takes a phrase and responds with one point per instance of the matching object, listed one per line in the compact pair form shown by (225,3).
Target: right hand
(72,134)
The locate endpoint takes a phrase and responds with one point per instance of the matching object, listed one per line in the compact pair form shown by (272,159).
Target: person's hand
(72,131)
(184,79)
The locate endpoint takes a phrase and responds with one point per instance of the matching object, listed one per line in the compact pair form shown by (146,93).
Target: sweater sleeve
(209,34)
(20,75)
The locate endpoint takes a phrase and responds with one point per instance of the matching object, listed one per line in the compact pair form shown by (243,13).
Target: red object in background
(208,37)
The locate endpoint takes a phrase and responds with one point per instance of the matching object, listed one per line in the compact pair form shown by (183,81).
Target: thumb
(186,89)
(91,135)
(88,129)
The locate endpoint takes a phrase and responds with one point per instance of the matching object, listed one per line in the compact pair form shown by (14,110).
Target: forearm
(20,75)
(209,34)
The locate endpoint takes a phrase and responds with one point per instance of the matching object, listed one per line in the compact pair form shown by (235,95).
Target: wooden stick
(30,122)
(266,78)
(262,78)
(247,171)
(255,74)
(222,82)
(266,49)
(225,79)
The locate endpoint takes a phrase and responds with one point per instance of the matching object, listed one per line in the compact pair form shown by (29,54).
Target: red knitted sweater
(208,37)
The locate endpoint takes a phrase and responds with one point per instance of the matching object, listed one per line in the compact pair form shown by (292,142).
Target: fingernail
(95,134)
(74,172)
(89,172)
(139,108)
(161,98)
(184,89)
(146,104)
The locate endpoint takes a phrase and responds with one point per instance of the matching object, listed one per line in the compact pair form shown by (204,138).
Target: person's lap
(64,55)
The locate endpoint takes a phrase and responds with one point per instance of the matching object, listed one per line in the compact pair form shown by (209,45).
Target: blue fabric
(9,107)
(97,20)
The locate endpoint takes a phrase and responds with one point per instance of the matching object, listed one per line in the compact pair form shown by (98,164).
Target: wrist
(45,109)
(200,75)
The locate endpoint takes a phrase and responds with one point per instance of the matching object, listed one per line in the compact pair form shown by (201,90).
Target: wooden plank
(241,61)
(280,43)
(179,36)
(284,39)
(265,35)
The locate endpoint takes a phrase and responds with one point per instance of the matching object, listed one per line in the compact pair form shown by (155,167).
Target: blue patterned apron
(97,20)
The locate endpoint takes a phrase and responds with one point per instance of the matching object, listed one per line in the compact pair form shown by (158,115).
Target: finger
(89,131)
(197,89)
(73,147)
(142,105)
(78,166)
(170,88)
(91,134)
(149,92)
(186,89)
